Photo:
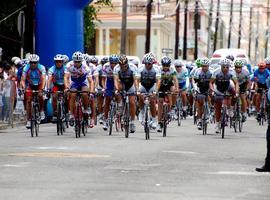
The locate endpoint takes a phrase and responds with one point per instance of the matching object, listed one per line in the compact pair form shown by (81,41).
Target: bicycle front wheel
(126,120)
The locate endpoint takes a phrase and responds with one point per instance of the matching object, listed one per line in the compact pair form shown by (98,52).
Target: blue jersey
(33,76)
(261,76)
(57,74)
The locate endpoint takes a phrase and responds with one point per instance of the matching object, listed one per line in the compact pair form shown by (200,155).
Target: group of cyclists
(164,80)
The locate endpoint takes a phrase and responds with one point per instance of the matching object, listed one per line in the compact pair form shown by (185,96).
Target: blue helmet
(114,59)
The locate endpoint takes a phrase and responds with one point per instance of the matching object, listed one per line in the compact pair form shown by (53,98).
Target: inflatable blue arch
(59,28)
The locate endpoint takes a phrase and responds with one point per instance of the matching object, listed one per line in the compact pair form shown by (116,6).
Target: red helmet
(261,65)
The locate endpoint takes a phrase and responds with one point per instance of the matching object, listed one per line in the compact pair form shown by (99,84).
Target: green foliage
(90,16)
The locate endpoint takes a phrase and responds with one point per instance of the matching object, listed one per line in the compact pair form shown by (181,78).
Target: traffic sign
(167,50)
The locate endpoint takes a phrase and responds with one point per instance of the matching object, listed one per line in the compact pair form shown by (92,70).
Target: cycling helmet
(123,60)
(94,59)
(166,61)
(65,58)
(244,61)
(58,57)
(178,63)
(14,58)
(205,61)
(238,63)
(33,58)
(77,56)
(114,59)
(104,60)
(148,59)
(24,61)
(198,62)
(225,62)
(262,65)
(230,57)
(18,61)
(267,61)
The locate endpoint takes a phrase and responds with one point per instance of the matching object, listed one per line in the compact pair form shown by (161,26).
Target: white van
(222,53)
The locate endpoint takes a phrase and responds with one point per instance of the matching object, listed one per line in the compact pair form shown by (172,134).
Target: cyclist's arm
(22,84)
(96,80)
(175,80)
(211,84)
(49,82)
(236,85)
(116,82)
(103,82)
(67,80)
(91,84)
(43,82)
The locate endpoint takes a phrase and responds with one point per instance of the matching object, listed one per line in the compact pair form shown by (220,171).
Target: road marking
(240,173)
(57,155)
(180,152)
(51,148)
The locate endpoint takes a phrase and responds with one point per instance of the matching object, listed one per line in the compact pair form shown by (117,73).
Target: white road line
(180,152)
(239,173)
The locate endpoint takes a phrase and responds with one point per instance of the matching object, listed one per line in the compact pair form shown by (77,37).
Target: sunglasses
(178,66)
(225,67)
(58,61)
(33,62)
(77,61)
(238,67)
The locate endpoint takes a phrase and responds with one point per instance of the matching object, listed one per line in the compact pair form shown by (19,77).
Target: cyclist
(243,79)
(125,80)
(95,77)
(182,77)
(201,81)
(267,63)
(100,89)
(148,80)
(226,82)
(80,76)
(33,78)
(108,85)
(56,77)
(260,77)
(65,59)
(169,83)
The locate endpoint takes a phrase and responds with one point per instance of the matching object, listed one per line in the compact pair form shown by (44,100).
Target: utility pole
(216,26)
(257,37)
(185,32)
(250,32)
(230,26)
(196,21)
(177,19)
(124,27)
(267,30)
(148,26)
(209,28)
(240,25)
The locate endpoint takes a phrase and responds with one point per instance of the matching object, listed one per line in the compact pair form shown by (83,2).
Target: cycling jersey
(147,77)
(167,77)
(107,72)
(261,76)
(100,74)
(78,75)
(243,76)
(182,78)
(57,74)
(94,69)
(222,80)
(126,77)
(202,79)
(33,76)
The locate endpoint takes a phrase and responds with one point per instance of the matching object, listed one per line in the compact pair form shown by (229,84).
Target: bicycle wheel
(194,114)
(146,125)
(165,118)
(179,113)
(84,127)
(111,114)
(36,128)
(126,120)
(32,128)
(223,122)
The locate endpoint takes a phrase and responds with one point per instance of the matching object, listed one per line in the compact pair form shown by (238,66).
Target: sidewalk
(6,125)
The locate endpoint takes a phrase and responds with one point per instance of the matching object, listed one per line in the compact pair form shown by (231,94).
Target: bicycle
(224,116)
(165,114)
(126,111)
(35,114)
(206,114)
(263,108)
(146,122)
(237,119)
(179,109)
(112,114)
(81,120)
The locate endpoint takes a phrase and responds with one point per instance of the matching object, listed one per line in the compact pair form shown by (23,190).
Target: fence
(11,105)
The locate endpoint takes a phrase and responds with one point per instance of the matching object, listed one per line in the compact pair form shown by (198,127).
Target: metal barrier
(11,106)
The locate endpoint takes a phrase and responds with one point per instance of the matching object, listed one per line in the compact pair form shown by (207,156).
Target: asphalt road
(185,165)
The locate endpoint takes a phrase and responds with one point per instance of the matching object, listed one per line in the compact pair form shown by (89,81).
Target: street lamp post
(148,26)
(185,32)
(177,19)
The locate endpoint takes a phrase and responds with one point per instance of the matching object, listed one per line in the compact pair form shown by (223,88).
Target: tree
(90,16)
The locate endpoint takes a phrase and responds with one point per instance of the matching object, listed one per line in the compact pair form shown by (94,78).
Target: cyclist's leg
(72,98)
(28,95)
(85,98)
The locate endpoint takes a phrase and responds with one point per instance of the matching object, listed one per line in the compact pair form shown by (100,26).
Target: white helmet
(178,63)
(205,61)
(14,58)
(58,57)
(33,58)
(65,58)
(18,62)
(77,56)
